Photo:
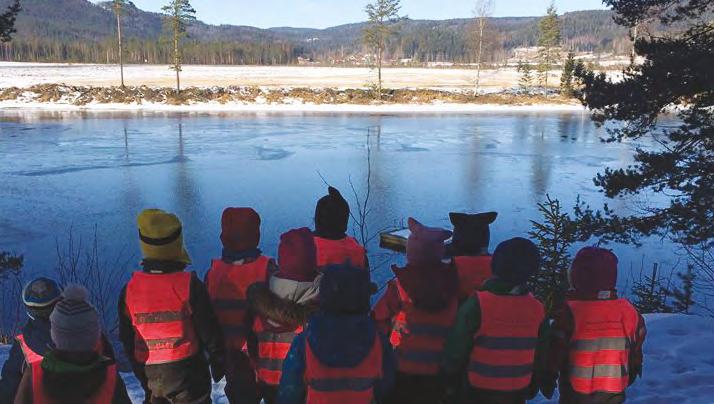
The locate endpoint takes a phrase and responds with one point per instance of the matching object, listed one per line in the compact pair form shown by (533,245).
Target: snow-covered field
(28,74)
(679,363)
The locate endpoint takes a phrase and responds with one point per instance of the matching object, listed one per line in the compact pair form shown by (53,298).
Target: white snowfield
(679,364)
(18,74)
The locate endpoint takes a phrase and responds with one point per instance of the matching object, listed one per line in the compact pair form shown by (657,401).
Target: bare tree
(179,14)
(483,10)
(380,26)
(119,6)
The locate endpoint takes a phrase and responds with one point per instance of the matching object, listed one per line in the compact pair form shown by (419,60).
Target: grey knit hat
(74,322)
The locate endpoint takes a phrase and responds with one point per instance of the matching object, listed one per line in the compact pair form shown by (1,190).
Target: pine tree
(683,296)
(179,14)
(554,237)
(548,41)
(566,78)
(649,294)
(382,14)
(526,79)
(7,21)
(119,6)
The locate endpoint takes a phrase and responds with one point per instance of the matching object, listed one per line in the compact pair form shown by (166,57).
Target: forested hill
(80,31)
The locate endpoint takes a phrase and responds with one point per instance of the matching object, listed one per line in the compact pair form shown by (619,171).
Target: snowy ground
(679,364)
(28,74)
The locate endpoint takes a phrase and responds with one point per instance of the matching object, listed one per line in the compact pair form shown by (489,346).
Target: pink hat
(297,256)
(425,245)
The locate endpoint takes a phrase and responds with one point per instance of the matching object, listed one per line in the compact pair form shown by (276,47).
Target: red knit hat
(240,229)
(594,269)
(297,256)
(425,245)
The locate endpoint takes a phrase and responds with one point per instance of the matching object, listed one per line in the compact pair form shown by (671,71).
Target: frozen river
(73,171)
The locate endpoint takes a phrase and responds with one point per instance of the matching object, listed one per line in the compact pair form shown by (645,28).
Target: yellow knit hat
(161,237)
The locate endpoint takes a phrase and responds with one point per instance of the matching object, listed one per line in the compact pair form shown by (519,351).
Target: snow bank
(679,364)
(297,108)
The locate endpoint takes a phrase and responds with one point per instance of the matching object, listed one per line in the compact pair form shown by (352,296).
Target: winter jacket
(460,344)
(560,346)
(71,383)
(37,336)
(206,327)
(339,341)
(281,306)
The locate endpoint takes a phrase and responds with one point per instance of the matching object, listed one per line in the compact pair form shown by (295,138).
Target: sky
(328,13)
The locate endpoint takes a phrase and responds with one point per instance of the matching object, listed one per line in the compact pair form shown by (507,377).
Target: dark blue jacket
(337,341)
(37,336)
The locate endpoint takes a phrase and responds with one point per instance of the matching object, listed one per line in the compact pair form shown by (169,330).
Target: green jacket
(460,342)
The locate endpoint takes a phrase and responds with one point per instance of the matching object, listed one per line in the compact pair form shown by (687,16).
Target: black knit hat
(345,290)
(332,214)
(515,261)
(471,232)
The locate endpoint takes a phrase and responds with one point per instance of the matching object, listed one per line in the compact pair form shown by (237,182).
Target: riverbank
(64,97)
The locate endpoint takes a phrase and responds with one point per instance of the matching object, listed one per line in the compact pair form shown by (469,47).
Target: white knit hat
(74,322)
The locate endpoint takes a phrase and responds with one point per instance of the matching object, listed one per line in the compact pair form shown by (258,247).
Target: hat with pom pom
(332,214)
(74,323)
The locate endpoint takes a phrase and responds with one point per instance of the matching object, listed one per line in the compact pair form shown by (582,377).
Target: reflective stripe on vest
(600,345)
(473,272)
(104,395)
(504,347)
(273,348)
(227,286)
(31,357)
(339,251)
(328,385)
(419,337)
(160,312)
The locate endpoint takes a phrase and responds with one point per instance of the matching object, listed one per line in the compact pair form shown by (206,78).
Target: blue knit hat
(40,296)
(515,261)
(345,290)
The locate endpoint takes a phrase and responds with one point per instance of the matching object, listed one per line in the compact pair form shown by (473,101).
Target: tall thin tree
(382,14)
(483,10)
(548,41)
(179,14)
(119,6)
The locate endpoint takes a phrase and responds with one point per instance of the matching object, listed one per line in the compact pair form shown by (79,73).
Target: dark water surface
(62,171)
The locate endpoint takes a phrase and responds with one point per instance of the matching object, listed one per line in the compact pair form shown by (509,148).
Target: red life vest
(31,357)
(600,345)
(473,272)
(104,395)
(273,348)
(161,315)
(504,349)
(419,336)
(228,286)
(328,385)
(339,251)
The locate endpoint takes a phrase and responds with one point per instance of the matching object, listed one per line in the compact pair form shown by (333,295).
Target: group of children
(456,324)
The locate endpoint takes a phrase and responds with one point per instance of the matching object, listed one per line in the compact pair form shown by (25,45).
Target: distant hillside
(80,31)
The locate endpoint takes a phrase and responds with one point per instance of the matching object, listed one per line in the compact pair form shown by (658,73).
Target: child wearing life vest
(333,245)
(340,357)
(596,344)
(39,297)
(282,307)
(241,265)
(166,322)
(73,371)
(500,340)
(418,310)
(469,250)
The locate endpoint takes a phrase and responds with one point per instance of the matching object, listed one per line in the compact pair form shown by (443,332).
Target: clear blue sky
(327,13)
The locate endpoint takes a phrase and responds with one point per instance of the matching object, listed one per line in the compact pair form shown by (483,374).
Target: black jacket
(37,336)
